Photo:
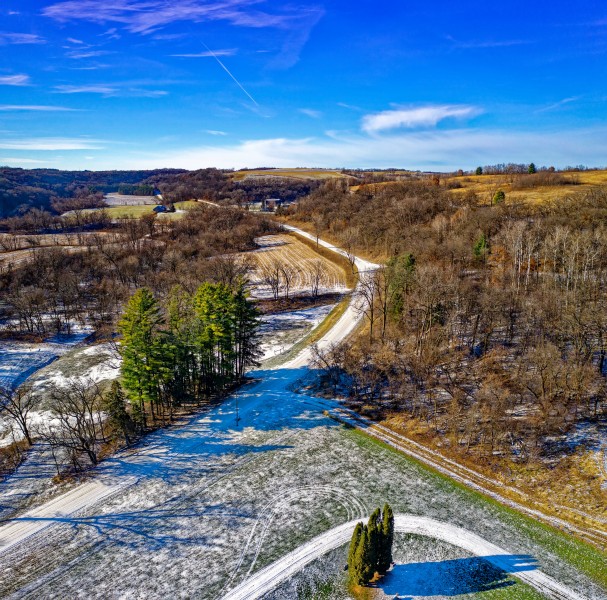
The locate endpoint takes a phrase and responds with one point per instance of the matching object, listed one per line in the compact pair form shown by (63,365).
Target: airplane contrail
(230,74)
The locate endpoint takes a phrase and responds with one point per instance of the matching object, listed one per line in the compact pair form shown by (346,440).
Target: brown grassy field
(486,185)
(292,173)
(290,251)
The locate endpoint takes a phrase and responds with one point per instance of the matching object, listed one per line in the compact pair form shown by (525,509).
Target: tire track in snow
(355,508)
(273,575)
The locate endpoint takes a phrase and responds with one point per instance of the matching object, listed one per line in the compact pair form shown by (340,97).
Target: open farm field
(292,173)
(301,261)
(138,210)
(124,200)
(516,191)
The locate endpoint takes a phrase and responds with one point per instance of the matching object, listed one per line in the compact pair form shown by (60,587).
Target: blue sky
(232,83)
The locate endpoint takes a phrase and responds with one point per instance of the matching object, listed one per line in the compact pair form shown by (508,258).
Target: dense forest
(21,189)
(487,323)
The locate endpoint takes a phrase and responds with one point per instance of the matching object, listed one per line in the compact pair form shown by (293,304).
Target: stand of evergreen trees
(186,349)
(371,547)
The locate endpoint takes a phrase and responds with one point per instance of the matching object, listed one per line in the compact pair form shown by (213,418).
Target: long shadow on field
(155,528)
(258,418)
(453,577)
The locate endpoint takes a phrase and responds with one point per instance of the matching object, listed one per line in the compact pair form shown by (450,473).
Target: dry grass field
(486,185)
(292,173)
(300,259)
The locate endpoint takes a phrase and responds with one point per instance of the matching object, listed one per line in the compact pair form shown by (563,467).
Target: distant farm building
(268,205)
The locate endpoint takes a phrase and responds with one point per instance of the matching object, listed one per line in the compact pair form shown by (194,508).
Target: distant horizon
(191,84)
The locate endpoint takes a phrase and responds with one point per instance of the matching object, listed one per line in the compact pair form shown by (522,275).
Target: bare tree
(317,275)
(271,276)
(367,294)
(17,404)
(288,274)
(78,409)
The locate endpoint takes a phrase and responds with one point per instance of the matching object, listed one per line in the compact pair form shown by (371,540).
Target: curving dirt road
(273,575)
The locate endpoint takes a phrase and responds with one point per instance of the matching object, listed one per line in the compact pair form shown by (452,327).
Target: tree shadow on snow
(214,434)
(453,577)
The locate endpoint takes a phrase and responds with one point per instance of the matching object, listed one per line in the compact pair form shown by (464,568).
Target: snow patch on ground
(47,365)
(19,360)
(280,332)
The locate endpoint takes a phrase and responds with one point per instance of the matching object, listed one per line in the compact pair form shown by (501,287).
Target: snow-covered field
(52,363)
(19,360)
(199,508)
(280,332)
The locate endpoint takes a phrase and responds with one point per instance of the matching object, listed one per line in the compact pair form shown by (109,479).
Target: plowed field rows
(302,259)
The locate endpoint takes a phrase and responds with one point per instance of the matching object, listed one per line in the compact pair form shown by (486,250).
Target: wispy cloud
(349,106)
(471,44)
(146,16)
(299,31)
(15,80)
(309,112)
(35,108)
(110,90)
(78,54)
(45,144)
(558,104)
(21,161)
(209,54)
(20,38)
(424,116)
(215,132)
(74,41)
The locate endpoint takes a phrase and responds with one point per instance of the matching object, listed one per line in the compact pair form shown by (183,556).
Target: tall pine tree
(356,535)
(387,539)
(144,352)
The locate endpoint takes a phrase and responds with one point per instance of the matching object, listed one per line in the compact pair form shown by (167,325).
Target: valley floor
(199,508)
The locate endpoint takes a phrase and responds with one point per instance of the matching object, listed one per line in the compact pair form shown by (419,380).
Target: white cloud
(215,132)
(149,15)
(423,116)
(472,44)
(558,104)
(209,54)
(35,108)
(34,144)
(20,38)
(146,17)
(21,161)
(87,53)
(309,112)
(425,150)
(110,90)
(15,80)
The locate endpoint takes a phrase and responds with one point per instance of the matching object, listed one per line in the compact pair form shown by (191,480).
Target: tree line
(182,352)
(185,350)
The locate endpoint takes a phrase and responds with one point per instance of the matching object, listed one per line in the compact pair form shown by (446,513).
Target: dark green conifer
(356,535)
(374,535)
(359,572)
(115,406)
(387,539)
